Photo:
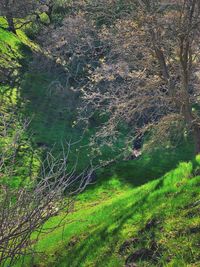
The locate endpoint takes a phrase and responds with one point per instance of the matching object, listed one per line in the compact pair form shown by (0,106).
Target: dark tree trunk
(193,125)
(11,25)
(196,135)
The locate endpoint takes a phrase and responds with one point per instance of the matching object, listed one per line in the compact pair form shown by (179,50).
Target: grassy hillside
(15,54)
(138,213)
(118,220)
(33,94)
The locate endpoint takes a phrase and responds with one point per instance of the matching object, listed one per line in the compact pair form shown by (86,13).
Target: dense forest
(99,133)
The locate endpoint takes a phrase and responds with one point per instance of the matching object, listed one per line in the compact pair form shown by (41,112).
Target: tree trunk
(190,120)
(11,26)
(196,136)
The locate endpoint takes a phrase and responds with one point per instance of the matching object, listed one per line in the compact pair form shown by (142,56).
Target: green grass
(15,52)
(162,186)
(52,114)
(116,210)
(11,47)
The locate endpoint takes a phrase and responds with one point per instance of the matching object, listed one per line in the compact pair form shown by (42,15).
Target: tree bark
(196,136)
(191,122)
(11,25)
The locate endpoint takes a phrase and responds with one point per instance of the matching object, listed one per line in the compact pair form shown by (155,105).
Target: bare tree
(12,9)
(149,78)
(25,209)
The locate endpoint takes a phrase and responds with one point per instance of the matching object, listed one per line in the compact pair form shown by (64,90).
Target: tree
(19,9)
(25,209)
(183,43)
(149,78)
(25,11)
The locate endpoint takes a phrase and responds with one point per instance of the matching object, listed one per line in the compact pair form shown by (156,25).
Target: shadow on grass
(150,166)
(103,238)
(99,242)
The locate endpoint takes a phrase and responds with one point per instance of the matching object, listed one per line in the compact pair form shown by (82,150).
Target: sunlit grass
(109,213)
(126,196)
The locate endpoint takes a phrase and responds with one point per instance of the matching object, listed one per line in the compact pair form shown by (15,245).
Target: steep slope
(115,223)
(34,87)
(15,54)
(14,50)
(24,85)
(131,216)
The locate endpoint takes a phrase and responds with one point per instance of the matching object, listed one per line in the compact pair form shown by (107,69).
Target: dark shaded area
(150,166)
(141,254)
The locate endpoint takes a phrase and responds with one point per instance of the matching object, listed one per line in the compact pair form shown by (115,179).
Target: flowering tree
(150,76)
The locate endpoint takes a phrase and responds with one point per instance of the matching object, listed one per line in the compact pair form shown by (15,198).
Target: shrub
(33,30)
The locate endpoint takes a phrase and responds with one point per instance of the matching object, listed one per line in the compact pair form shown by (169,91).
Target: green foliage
(33,30)
(198,159)
(12,48)
(162,186)
(44,18)
(57,19)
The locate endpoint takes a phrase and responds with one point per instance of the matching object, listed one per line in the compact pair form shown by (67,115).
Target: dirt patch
(127,245)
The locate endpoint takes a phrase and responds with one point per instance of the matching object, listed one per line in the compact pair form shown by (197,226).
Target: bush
(198,159)
(57,19)
(44,18)
(33,30)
